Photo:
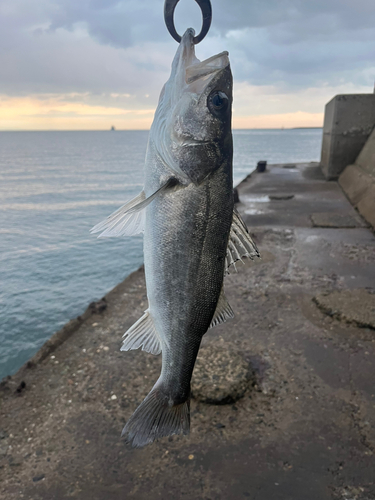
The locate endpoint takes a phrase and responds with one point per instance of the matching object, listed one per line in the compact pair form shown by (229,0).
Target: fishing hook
(205,6)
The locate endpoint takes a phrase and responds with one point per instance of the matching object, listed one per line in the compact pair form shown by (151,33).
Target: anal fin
(223,311)
(142,334)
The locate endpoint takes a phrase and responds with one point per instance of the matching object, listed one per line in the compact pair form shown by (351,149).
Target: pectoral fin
(123,222)
(129,219)
(142,334)
(240,244)
(223,311)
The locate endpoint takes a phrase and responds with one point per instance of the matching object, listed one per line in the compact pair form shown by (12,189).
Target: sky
(91,64)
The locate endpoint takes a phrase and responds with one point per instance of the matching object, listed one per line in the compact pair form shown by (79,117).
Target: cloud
(95,49)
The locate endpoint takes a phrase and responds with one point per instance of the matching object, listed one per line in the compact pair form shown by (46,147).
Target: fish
(193,236)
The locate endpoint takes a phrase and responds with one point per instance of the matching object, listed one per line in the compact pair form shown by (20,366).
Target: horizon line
(147,130)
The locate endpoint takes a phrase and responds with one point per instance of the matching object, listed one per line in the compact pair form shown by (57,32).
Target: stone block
(348,122)
(221,376)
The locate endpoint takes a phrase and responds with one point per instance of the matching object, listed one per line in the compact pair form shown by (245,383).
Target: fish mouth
(193,68)
(194,142)
(207,68)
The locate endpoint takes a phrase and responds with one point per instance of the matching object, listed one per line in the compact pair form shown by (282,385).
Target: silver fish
(192,234)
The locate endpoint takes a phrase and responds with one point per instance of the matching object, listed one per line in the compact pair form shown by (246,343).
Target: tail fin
(156,417)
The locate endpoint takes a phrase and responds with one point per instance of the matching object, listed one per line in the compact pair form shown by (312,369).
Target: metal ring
(205,6)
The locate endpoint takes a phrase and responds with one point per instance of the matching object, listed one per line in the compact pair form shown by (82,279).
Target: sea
(54,186)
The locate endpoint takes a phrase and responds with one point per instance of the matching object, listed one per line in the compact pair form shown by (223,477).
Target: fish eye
(217,101)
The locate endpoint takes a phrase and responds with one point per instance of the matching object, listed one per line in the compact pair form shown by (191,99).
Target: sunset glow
(56,113)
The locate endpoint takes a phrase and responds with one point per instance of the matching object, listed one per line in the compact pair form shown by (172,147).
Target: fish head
(192,125)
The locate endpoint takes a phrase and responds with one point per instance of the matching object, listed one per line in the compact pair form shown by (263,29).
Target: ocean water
(54,186)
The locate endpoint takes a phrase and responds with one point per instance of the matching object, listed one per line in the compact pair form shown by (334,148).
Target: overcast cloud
(118,52)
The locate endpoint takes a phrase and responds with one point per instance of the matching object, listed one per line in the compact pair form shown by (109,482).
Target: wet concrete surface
(305,426)
(336,220)
(352,306)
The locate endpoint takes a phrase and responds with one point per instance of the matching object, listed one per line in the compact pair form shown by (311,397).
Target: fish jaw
(187,133)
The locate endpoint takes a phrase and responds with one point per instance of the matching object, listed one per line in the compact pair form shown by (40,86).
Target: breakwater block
(348,122)
(358,181)
(221,376)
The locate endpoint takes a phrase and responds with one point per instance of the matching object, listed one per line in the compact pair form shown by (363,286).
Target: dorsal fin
(240,244)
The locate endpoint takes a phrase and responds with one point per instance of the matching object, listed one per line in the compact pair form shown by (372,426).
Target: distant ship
(113,128)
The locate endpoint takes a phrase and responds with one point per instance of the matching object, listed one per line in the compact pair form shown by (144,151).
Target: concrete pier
(304,424)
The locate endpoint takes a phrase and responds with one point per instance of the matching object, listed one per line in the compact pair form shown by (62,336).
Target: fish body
(191,235)
(185,245)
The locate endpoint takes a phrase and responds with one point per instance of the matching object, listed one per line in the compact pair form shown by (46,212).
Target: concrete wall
(348,122)
(358,181)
